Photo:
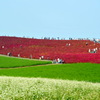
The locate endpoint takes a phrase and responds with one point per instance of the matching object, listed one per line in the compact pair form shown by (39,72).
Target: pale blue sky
(50,18)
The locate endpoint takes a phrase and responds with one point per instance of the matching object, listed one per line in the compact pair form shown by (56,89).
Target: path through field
(28,66)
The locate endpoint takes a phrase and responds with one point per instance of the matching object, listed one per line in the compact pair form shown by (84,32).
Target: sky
(50,18)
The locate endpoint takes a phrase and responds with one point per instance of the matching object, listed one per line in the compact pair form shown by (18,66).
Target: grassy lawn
(80,71)
(6,62)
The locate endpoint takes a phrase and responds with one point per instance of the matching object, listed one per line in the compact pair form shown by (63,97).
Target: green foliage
(17,88)
(7,62)
(80,71)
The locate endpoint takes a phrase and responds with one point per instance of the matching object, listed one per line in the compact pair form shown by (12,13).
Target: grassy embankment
(16,88)
(8,62)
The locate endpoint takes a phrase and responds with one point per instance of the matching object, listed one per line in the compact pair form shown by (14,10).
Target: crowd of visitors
(59,61)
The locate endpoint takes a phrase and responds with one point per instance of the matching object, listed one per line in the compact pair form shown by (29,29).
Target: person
(58,60)
(86,43)
(89,50)
(94,50)
(42,57)
(18,55)
(68,44)
(54,61)
(3,47)
(30,56)
(9,54)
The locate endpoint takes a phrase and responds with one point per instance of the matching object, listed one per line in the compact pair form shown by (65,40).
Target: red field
(77,51)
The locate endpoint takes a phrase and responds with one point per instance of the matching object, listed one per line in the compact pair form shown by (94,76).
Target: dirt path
(28,66)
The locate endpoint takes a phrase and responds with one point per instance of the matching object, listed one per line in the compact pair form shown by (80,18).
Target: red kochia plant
(76,52)
(77,58)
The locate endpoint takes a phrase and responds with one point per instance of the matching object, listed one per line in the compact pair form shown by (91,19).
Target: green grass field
(8,62)
(80,71)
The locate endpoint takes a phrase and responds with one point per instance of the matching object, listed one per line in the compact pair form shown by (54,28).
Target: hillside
(71,51)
